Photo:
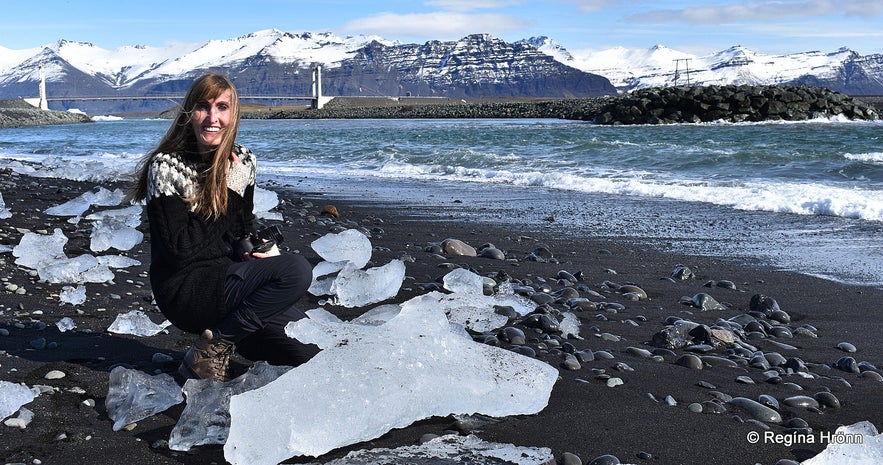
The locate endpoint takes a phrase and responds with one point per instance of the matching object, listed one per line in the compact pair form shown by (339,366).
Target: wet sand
(584,417)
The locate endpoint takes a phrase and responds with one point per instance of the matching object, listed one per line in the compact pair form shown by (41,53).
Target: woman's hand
(274,251)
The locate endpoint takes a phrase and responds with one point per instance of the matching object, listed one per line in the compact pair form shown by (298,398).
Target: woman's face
(209,119)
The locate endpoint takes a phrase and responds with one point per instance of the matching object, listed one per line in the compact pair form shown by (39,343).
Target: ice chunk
(346,246)
(116,229)
(80,269)
(451,450)
(569,325)
(378,315)
(77,206)
(65,324)
(5,248)
(136,323)
(371,379)
(4,212)
(463,281)
(35,249)
(133,395)
(321,286)
(206,418)
(473,311)
(117,261)
(264,201)
(357,288)
(856,444)
(12,397)
(72,295)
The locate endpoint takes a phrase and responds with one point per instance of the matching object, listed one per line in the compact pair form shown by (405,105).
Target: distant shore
(17,113)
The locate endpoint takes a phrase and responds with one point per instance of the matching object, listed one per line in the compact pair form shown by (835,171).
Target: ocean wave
(873,157)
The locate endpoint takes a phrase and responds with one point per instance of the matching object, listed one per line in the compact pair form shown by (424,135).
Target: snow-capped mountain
(273,62)
(842,70)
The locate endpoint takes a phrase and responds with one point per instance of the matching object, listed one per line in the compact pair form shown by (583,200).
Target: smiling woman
(198,185)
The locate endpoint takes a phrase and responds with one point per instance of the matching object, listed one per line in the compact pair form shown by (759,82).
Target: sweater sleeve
(181,236)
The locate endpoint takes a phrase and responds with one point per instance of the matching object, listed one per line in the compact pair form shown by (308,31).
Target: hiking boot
(208,359)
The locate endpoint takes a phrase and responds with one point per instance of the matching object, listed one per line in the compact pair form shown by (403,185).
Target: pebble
(757,410)
(613,382)
(801,402)
(872,375)
(744,380)
(768,400)
(571,363)
(847,347)
(826,399)
(55,374)
(570,459)
(605,459)
(695,407)
(690,361)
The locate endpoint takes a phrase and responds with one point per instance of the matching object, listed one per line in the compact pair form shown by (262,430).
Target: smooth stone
(458,247)
(712,361)
(695,407)
(847,364)
(781,316)
(768,400)
(826,399)
(793,386)
(512,335)
(55,374)
(568,458)
(690,361)
(571,363)
(775,359)
(632,289)
(584,356)
(603,355)
(613,382)
(797,422)
(670,401)
(801,402)
(713,408)
(605,459)
(637,351)
(872,375)
(492,253)
(757,410)
(723,397)
(524,350)
(744,380)
(847,347)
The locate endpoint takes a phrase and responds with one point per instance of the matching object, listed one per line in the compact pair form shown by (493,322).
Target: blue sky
(771,27)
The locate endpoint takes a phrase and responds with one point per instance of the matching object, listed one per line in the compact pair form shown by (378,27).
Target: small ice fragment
(12,397)
(133,395)
(136,323)
(116,229)
(35,249)
(4,212)
(569,325)
(463,281)
(473,311)
(80,269)
(206,418)
(72,295)
(77,206)
(117,261)
(357,288)
(264,201)
(349,245)
(66,324)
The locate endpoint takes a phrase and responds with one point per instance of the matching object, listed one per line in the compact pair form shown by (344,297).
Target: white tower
(44,105)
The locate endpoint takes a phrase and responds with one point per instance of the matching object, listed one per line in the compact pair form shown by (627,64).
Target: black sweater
(189,254)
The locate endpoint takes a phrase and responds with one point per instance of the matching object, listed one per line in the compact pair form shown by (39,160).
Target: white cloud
(435,25)
(471,5)
(589,6)
(764,11)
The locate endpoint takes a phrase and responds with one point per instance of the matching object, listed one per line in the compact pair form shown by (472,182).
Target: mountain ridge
(273,62)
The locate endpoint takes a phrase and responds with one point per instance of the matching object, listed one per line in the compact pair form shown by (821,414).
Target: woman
(198,185)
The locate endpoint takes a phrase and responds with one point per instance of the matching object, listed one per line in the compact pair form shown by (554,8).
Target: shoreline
(584,416)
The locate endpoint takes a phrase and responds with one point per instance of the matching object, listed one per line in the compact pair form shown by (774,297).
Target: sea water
(806,197)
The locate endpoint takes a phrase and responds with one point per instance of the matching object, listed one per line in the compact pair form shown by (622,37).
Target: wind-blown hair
(210,198)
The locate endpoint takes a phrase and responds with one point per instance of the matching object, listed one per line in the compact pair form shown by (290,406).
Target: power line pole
(686,67)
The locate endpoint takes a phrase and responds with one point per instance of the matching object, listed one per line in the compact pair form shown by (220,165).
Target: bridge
(317,100)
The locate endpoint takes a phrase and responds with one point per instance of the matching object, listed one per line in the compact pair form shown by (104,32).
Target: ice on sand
(72,295)
(206,418)
(463,281)
(451,450)
(376,378)
(136,323)
(346,246)
(345,253)
(116,229)
(45,253)
(133,395)
(264,201)
(66,324)
(4,212)
(77,206)
(12,397)
(356,288)
(856,444)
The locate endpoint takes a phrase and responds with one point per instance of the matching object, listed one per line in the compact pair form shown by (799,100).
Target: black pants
(260,298)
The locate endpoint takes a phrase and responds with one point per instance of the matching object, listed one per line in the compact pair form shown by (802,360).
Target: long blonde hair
(210,198)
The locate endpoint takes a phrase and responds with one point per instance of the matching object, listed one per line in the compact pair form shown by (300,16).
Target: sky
(698,27)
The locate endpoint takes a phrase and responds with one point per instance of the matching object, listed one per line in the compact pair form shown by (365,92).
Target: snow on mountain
(630,69)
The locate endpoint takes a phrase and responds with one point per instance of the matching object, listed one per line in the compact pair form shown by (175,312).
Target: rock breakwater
(16,114)
(732,104)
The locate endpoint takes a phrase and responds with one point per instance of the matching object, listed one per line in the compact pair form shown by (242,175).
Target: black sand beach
(584,417)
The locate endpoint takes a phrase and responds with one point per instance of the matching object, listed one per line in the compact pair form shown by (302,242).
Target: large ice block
(370,379)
